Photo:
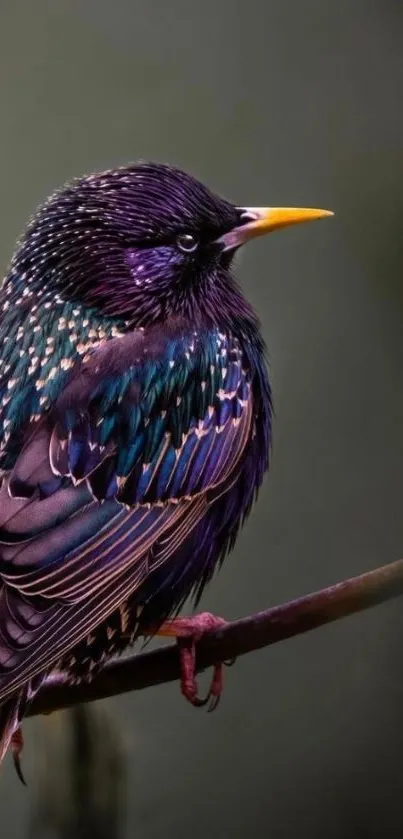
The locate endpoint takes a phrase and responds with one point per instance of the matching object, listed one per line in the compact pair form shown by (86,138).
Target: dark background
(291,102)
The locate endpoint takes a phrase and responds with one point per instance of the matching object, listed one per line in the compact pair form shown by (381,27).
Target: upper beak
(261,220)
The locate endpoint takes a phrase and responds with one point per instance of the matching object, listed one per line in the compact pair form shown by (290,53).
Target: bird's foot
(187,632)
(17,745)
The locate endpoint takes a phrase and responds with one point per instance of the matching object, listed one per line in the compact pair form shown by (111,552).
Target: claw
(189,688)
(187,653)
(216,687)
(17,745)
(187,631)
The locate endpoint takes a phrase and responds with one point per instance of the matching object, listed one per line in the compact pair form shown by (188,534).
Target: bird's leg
(187,632)
(17,745)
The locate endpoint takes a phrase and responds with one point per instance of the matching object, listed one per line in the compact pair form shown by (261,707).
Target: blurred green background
(296,102)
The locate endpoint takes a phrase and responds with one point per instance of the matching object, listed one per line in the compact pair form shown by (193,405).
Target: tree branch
(136,672)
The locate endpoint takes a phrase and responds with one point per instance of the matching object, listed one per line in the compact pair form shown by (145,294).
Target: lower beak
(261,220)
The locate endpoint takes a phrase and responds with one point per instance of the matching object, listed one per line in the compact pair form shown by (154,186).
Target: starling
(135,421)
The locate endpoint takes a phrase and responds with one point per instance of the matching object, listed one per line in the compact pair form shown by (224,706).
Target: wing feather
(111,483)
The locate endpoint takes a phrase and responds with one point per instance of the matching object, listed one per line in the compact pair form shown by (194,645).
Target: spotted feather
(65,558)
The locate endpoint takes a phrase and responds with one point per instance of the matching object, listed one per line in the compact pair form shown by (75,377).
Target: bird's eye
(186,242)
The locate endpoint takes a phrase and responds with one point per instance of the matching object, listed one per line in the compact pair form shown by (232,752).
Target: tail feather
(13,709)
(11,713)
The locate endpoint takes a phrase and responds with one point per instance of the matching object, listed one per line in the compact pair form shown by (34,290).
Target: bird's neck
(218,303)
(44,330)
(40,339)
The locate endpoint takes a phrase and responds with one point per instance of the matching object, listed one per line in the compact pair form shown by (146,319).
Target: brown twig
(233,640)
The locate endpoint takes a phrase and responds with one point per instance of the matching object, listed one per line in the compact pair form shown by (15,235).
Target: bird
(135,422)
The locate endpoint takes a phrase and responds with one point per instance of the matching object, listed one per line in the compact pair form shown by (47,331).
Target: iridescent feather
(133,442)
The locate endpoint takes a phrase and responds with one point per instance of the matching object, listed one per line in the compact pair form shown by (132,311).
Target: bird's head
(141,242)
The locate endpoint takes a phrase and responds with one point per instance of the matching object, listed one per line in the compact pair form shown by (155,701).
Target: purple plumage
(135,417)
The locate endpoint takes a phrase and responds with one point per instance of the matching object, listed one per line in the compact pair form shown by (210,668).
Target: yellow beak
(261,220)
